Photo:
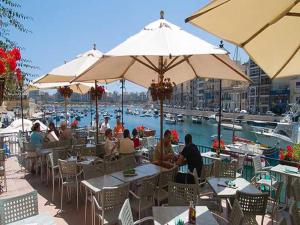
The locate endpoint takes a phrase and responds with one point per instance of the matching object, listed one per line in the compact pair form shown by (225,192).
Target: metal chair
(111,202)
(273,203)
(2,171)
(144,199)
(294,214)
(240,165)
(20,208)
(225,169)
(236,216)
(252,205)
(70,178)
(112,166)
(261,173)
(128,161)
(295,190)
(53,168)
(91,171)
(161,192)
(182,194)
(126,218)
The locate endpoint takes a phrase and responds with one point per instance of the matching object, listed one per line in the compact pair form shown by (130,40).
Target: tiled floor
(19,183)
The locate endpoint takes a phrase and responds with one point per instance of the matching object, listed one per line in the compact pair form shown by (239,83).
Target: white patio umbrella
(268,30)
(163,50)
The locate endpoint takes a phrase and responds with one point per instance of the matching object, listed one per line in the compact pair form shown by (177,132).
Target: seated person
(126,144)
(135,139)
(119,127)
(168,153)
(65,133)
(110,147)
(36,138)
(105,125)
(53,133)
(192,157)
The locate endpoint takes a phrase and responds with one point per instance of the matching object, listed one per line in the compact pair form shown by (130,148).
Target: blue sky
(64,28)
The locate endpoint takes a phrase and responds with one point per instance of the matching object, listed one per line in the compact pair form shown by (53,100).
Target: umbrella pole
(161,78)
(122,101)
(96,102)
(219,122)
(91,110)
(66,111)
(22,114)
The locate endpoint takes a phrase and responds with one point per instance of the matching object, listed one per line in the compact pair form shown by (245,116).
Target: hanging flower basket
(9,70)
(65,91)
(161,90)
(97,92)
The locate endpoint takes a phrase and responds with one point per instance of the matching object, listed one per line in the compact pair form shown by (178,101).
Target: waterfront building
(294,86)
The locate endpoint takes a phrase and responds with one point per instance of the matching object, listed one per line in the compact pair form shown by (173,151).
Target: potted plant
(97,92)
(8,69)
(65,91)
(216,147)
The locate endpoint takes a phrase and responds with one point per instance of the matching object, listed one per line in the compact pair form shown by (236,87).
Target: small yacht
(180,118)
(229,126)
(170,119)
(197,119)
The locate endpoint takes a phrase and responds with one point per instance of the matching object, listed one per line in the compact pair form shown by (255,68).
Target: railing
(10,143)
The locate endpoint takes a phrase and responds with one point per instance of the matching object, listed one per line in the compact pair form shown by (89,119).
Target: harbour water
(201,132)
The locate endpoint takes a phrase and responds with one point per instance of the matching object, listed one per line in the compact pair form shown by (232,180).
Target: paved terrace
(20,183)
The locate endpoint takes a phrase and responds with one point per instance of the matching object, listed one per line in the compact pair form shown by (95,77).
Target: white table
(227,192)
(171,214)
(213,156)
(150,169)
(95,185)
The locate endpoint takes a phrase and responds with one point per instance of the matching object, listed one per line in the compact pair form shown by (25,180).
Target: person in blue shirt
(36,138)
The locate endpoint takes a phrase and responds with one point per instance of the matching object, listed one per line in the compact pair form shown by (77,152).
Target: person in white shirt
(104,125)
(110,147)
(126,144)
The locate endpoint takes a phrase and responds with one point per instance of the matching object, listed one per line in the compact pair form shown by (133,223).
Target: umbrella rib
(179,62)
(284,13)
(127,68)
(172,61)
(145,64)
(189,63)
(235,70)
(285,64)
(206,11)
(151,63)
(293,14)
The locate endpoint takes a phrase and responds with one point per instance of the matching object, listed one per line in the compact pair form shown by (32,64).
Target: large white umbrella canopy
(73,68)
(185,57)
(268,30)
(16,126)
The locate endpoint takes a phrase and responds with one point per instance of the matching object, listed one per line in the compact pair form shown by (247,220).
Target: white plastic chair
(126,218)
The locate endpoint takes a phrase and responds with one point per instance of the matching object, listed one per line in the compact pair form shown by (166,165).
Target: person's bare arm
(180,160)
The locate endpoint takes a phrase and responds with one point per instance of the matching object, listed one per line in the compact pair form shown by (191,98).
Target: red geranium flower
(289,154)
(3,54)
(289,148)
(15,53)
(12,64)
(19,74)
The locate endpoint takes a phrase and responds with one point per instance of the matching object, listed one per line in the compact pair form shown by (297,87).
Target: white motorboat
(170,119)
(229,126)
(180,118)
(287,131)
(197,119)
